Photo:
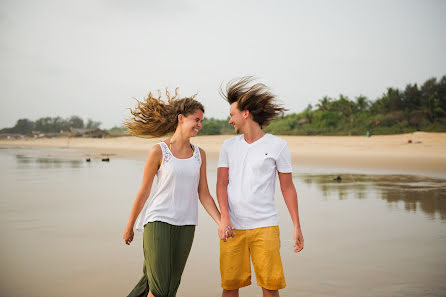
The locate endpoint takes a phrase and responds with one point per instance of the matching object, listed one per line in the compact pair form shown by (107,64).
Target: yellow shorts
(262,245)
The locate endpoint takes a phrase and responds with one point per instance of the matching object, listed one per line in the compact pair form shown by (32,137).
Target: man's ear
(245,114)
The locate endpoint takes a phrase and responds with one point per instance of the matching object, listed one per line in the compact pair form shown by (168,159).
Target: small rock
(338,179)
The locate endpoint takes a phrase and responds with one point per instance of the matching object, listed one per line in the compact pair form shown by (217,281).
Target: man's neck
(253,133)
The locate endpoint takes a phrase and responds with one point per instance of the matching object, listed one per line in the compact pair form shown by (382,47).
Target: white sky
(91,58)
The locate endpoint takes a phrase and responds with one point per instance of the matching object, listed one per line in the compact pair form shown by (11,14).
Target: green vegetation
(396,111)
(216,127)
(50,125)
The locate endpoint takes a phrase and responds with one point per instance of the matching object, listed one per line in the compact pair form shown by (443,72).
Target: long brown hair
(153,117)
(256,98)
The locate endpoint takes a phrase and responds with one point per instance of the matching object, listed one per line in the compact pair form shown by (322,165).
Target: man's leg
(265,255)
(229,293)
(270,293)
(235,265)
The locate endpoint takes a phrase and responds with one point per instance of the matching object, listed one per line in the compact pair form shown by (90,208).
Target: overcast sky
(91,58)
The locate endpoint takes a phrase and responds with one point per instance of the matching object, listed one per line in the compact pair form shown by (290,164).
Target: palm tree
(362,103)
(324,104)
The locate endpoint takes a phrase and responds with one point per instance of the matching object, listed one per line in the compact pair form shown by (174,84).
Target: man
(245,191)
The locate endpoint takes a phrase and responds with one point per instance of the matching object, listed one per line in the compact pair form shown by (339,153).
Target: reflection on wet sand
(26,162)
(416,192)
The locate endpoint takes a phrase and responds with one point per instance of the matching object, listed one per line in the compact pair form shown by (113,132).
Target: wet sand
(62,220)
(418,152)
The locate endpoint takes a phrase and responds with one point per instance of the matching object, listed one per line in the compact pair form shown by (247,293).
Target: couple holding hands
(247,220)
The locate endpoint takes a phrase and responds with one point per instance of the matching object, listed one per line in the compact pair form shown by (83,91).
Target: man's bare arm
(290,197)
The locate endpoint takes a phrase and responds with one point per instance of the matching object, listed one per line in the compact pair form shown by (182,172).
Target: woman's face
(191,124)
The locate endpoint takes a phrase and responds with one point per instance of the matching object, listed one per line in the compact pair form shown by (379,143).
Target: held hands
(298,240)
(128,236)
(225,229)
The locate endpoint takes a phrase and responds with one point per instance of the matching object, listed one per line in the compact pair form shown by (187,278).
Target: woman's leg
(157,257)
(142,287)
(166,249)
(183,238)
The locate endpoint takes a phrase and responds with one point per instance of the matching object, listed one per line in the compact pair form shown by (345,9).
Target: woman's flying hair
(253,97)
(153,117)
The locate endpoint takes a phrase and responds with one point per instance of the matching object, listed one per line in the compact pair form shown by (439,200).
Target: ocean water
(62,219)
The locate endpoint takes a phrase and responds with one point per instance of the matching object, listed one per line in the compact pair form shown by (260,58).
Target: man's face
(237,117)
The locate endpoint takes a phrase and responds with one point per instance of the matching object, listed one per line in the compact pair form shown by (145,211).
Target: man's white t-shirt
(252,178)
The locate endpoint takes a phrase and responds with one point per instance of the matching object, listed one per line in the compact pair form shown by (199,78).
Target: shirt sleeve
(223,159)
(283,162)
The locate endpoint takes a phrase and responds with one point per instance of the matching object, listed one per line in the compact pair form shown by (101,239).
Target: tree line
(415,108)
(50,125)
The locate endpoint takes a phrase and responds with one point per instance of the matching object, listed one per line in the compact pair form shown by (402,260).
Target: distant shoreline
(411,153)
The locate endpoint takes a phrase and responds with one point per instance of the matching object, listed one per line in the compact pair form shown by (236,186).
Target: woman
(170,216)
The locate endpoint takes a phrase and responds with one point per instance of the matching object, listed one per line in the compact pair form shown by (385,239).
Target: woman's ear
(180,118)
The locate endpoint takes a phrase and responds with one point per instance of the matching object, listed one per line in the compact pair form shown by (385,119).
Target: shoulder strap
(166,153)
(197,154)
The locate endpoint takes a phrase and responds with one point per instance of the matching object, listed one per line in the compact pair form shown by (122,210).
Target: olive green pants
(166,248)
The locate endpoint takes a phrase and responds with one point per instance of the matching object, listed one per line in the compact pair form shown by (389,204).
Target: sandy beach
(412,153)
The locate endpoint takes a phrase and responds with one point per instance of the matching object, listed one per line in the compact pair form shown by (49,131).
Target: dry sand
(426,152)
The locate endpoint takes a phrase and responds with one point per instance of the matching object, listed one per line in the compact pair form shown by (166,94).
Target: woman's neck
(180,140)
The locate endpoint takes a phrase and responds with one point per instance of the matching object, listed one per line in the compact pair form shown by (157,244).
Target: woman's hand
(128,236)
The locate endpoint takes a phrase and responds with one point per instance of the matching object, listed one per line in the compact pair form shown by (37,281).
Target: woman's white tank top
(175,200)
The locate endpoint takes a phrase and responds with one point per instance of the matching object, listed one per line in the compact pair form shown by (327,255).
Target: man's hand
(298,240)
(225,229)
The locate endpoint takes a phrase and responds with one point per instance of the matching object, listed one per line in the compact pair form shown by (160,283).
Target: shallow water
(61,222)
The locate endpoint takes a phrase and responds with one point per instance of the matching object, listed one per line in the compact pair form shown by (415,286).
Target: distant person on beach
(245,191)
(170,216)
